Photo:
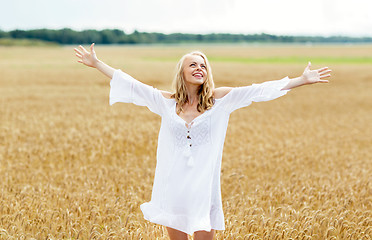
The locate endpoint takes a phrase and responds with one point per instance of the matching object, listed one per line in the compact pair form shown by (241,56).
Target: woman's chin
(196,82)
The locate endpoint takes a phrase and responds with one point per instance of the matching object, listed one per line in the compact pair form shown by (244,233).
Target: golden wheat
(71,167)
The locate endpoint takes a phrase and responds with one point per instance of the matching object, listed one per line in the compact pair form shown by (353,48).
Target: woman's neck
(192,93)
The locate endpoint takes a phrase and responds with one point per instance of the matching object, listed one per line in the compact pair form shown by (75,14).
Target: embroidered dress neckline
(193,120)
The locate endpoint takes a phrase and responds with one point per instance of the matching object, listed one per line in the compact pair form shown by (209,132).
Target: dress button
(190,145)
(188,137)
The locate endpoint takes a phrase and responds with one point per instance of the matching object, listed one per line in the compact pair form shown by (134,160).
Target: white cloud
(318,17)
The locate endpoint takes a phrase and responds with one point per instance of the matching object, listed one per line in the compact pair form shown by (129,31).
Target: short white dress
(186,194)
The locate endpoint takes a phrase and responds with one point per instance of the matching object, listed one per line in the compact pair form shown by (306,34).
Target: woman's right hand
(90,59)
(87,58)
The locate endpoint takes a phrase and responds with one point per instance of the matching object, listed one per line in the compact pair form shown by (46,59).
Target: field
(72,167)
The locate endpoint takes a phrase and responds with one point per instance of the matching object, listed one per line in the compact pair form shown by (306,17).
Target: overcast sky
(286,17)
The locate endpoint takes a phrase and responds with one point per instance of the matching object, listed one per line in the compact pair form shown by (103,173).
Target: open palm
(85,57)
(315,76)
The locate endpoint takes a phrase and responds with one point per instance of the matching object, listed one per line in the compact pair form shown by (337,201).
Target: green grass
(295,59)
(25,42)
(278,60)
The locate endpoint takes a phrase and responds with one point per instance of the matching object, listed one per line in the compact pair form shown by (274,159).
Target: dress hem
(156,215)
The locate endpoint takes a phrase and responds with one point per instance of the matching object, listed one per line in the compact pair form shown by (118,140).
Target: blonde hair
(205,93)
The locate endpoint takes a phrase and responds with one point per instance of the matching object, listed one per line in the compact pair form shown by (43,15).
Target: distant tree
(117,36)
(4,34)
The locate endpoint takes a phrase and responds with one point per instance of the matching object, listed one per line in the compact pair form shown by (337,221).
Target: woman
(186,195)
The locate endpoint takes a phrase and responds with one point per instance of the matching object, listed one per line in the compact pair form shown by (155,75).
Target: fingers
(317,75)
(322,69)
(83,49)
(92,48)
(324,72)
(325,76)
(323,81)
(81,52)
(78,53)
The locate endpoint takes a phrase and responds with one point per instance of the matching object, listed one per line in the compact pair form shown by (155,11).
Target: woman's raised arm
(309,77)
(90,59)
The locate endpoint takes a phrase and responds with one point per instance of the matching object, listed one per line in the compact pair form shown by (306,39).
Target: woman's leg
(204,235)
(176,235)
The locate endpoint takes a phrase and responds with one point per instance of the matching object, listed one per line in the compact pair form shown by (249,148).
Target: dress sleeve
(126,89)
(243,96)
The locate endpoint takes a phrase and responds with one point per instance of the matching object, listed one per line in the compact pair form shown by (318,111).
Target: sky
(280,17)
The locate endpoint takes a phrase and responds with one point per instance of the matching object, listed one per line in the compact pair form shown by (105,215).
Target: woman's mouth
(198,75)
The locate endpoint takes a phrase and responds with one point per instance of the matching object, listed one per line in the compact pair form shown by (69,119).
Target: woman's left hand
(315,76)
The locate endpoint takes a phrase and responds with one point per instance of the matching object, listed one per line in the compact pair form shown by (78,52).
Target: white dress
(186,194)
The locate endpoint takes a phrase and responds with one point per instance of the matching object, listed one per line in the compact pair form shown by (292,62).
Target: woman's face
(194,70)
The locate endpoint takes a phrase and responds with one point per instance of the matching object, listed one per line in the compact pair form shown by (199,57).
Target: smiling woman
(186,194)
(193,84)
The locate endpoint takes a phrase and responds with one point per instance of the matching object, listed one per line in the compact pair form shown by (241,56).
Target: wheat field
(72,167)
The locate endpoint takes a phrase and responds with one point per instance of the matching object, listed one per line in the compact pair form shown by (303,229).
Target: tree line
(116,36)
